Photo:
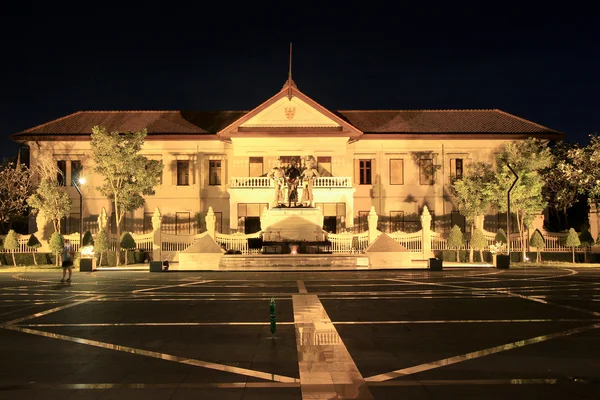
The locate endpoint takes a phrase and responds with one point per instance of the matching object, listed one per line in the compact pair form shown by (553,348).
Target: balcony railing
(264,182)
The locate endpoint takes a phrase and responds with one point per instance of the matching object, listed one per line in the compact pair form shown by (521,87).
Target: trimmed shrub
(572,241)
(127,243)
(34,243)
(537,241)
(57,243)
(478,242)
(501,236)
(101,245)
(88,239)
(455,240)
(11,243)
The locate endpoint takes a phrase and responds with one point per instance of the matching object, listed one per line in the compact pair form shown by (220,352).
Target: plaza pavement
(452,334)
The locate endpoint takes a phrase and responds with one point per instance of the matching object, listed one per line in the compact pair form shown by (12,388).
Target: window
(256,166)
(456,167)
(396,172)
(70,224)
(76,170)
(214,171)
(365,172)
(183,172)
(396,221)
(324,166)
(426,171)
(61,175)
(182,223)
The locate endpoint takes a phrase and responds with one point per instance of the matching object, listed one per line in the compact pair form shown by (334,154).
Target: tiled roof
(368,121)
(156,122)
(440,121)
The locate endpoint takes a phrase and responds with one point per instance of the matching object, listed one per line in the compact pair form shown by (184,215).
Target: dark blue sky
(541,65)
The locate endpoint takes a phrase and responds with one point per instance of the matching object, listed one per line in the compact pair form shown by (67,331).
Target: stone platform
(282,224)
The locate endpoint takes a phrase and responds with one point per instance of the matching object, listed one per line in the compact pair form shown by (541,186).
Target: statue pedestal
(292,224)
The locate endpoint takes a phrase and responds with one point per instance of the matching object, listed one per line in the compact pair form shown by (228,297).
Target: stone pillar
(211,222)
(157,238)
(372,221)
(102,220)
(426,231)
(43,231)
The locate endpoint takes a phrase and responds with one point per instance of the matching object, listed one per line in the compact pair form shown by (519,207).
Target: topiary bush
(57,243)
(11,243)
(478,242)
(501,236)
(34,243)
(456,240)
(127,243)
(537,241)
(572,241)
(101,244)
(88,239)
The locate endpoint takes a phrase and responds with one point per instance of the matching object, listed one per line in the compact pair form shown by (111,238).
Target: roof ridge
(528,121)
(153,111)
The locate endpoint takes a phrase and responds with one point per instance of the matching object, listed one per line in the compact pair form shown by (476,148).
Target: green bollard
(273,316)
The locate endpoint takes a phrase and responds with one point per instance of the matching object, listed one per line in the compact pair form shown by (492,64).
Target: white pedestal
(289,224)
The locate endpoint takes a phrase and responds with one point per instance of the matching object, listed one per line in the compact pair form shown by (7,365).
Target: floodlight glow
(82,181)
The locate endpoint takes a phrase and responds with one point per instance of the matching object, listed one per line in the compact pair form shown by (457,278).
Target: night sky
(541,65)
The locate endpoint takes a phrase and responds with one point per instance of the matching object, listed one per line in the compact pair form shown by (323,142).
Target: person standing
(67,262)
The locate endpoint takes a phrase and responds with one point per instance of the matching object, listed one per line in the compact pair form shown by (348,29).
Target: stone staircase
(297,261)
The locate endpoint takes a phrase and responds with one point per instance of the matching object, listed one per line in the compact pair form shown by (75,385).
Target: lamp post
(81,182)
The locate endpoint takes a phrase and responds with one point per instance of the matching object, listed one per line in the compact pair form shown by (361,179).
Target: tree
(501,236)
(50,197)
(456,240)
(127,243)
(88,239)
(586,239)
(57,243)
(474,192)
(527,158)
(127,174)
(101,244)
(583,170)
(560,190)
(572,241)
(478,242)
(33,243)
(15,187)
(11,243)
(537,241)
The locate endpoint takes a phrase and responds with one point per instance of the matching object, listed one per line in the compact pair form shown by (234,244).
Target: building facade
(396,161)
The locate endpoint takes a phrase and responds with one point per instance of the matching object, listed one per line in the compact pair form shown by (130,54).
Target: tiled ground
(469,333)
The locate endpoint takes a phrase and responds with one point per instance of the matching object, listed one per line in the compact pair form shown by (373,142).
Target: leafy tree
(11,243)
(33,243)
(50,197)
(572,241)
(501,236)
(478,242)
(101,244)
(586,239)
(474,192)
(127,243)
(582,169)
(88,239)
(456,240)
(560,190)
(16,185)
(127,174)
(527,158)
(57,243)
(537,241)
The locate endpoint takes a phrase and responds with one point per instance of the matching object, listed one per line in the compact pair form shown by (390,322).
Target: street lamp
(81,182)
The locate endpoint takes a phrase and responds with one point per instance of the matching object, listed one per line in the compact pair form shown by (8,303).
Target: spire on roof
(289,84)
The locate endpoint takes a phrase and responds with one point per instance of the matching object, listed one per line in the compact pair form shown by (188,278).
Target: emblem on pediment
(290,112)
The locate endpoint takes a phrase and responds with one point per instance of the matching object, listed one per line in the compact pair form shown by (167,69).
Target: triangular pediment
(290,112)
(287,113)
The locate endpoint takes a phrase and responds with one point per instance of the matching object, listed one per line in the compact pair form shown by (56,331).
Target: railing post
(372,221)
(426,232)
(211,221)
(157,237)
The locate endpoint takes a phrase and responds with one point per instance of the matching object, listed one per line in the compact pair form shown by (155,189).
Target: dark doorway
(330,224)
(252,225)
